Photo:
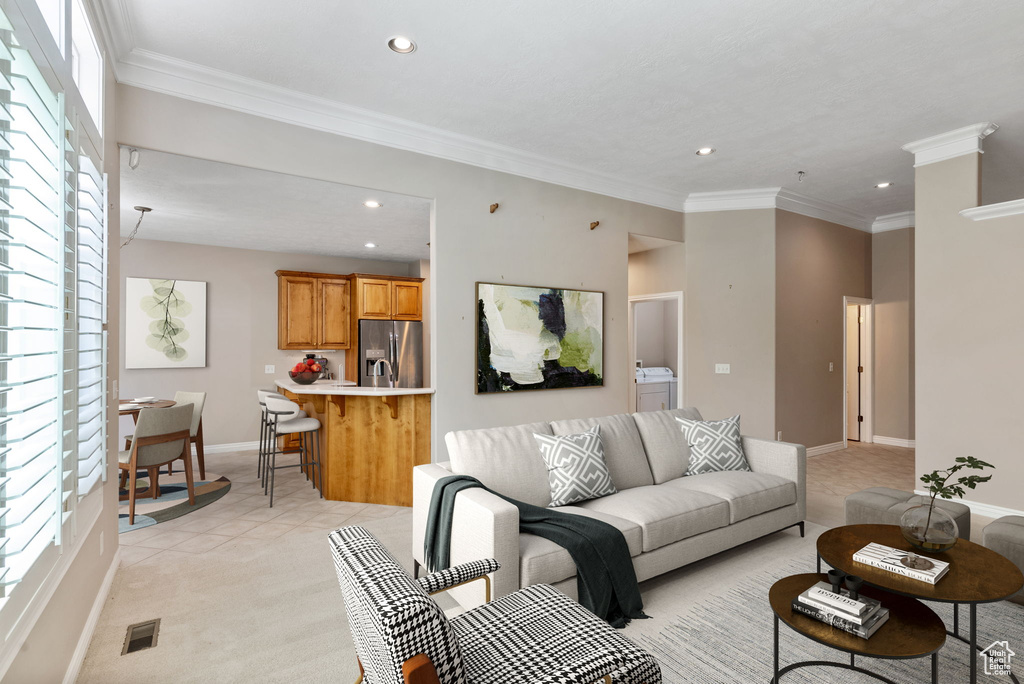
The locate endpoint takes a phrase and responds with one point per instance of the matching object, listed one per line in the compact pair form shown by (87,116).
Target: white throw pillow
(715,445)
(576,467)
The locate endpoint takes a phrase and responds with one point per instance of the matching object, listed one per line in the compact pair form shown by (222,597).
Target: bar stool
(283,420)
(262,395)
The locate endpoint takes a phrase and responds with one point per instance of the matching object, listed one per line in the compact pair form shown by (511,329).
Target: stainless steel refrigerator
(400,343)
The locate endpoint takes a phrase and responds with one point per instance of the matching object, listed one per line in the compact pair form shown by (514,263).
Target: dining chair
(198,400)
(161,436)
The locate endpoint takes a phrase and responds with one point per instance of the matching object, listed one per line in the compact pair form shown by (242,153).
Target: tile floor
(832,477)
(242,516)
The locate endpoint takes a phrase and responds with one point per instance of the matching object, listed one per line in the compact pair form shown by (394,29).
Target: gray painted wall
(730,316)
(892,287)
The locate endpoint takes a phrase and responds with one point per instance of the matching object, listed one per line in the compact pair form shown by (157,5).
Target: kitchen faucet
(376,372)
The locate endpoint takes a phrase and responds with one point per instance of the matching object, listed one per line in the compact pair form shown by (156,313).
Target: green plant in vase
(933,529)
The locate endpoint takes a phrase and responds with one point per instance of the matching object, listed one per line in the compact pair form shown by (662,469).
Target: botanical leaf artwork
(165,323)
(167,306)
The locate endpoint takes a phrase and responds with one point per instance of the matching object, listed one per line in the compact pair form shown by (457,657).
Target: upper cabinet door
(407,300)
(335,309)
(373,298)
(297,321)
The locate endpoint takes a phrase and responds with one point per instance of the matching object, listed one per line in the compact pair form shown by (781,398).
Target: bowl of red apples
(305,372)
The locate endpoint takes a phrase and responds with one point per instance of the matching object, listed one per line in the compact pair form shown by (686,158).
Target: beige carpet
(273,612)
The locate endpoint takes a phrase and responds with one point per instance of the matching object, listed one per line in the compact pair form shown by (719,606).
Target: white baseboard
(896,442)
(826,449)
(983,509)
(227,448)
(90,624)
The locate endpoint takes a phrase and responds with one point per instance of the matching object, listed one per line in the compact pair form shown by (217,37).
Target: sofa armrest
(782,459)
(483,526)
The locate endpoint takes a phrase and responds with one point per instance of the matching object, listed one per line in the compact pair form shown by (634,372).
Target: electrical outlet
(779,437)
(722,368)
(268,369)
(829,366)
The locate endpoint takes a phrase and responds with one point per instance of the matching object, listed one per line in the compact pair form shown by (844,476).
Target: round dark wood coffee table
(913,630)
(976,574)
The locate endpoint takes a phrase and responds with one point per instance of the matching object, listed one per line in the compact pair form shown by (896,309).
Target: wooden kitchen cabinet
(313,311)
(335,303)
(297,322)
(406,300)
(373,298)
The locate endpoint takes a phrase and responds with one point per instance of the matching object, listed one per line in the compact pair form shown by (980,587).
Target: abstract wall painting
(165,323)
(538,338)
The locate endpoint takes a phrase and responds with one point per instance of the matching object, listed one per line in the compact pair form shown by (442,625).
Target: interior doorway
(656,351)
(858,404)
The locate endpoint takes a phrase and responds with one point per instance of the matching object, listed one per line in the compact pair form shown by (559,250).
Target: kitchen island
(370,439)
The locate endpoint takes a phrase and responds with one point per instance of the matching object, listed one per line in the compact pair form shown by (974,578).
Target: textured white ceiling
(210,203)
(631,89)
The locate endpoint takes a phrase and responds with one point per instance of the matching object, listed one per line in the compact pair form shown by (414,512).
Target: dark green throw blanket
(605,579)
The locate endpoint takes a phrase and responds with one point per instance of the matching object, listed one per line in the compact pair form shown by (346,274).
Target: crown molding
(775,198)
(991,211)
(903,219)
(788,200)
(152,71)
(731,200)
(966,140)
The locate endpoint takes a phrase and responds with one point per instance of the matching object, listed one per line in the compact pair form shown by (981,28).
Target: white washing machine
(656,389)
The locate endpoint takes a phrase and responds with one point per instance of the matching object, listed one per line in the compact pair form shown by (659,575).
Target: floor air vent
(140,636)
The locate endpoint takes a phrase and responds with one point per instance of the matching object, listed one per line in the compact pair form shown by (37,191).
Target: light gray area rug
(728,638)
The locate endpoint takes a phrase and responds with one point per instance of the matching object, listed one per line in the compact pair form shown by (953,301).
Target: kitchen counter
(347,388)
(370,439)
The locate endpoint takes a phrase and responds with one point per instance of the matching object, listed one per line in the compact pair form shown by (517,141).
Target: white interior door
(853,374)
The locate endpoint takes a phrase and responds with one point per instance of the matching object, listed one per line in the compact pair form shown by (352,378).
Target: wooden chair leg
(419,670)
(124,479)
(154,485)
(188,482)
(131,496)
(200,455)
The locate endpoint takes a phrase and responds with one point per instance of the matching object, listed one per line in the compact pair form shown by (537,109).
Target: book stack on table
(862,616)
(896,561)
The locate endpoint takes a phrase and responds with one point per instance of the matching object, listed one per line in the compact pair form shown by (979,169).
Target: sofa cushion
(542,561)
(623,449)
(747,493)
(506,459)
(576,467)
(715,445)
(663,515)
(664,443)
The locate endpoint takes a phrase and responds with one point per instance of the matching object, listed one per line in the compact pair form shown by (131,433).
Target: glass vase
(929,528)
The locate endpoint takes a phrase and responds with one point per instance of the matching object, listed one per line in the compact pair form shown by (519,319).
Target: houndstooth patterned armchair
(535,635)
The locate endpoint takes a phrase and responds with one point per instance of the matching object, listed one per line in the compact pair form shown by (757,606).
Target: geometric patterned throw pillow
(576,467)
(714,445)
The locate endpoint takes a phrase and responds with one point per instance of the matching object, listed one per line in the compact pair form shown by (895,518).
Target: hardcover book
(878,618)
(888,558)
(810,598)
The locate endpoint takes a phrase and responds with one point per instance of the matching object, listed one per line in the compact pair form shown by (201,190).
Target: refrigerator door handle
(393,352)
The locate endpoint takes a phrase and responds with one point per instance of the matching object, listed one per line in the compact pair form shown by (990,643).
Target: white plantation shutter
(92,339)
(33,279)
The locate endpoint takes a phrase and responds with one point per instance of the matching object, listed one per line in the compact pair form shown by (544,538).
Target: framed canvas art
(164,323)
(531,338)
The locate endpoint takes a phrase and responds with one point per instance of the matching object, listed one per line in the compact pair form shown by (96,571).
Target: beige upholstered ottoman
(884,506)
(1006,536)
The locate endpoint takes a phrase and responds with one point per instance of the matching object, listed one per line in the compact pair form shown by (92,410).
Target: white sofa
(668,519)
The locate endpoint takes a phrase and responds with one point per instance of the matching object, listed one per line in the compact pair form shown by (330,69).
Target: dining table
(127,407)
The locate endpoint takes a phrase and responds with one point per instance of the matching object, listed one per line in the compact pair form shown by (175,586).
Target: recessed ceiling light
(369,245)
(883,186)
(401,44)
(705,151)
(373,204)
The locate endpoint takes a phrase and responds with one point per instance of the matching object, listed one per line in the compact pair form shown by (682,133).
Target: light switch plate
(268,369)
(722,368)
